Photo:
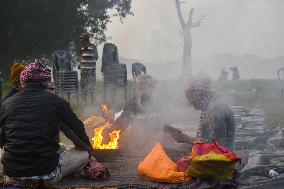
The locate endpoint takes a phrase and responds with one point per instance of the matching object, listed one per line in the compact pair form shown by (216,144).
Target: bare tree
(186,27)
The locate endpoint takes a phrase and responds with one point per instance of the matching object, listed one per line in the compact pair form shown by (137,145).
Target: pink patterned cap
(36,73)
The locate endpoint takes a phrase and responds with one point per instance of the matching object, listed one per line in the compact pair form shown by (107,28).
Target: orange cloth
(16,70)
(157,166)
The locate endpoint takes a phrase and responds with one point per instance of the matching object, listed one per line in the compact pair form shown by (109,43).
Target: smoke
(246,33)
(238,27)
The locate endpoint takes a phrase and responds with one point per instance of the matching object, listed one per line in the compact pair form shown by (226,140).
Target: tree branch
(190,17)
(199,22)
(180,16)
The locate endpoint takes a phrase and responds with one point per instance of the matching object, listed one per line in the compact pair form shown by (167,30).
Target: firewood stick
(178,135)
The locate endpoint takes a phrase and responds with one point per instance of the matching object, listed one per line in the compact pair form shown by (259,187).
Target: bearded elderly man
(217,122)
(29,121)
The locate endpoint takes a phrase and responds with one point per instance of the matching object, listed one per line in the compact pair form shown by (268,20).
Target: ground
(259,110)
(258,93)
(260,147)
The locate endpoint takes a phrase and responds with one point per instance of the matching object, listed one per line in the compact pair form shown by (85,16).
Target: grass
(6,86)
(258,93)
(264,94)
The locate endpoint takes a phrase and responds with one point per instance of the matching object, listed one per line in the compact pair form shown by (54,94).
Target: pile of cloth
(158,167)
(94,171)
(208,161)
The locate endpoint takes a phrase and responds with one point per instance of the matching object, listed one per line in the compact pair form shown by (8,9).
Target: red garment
(94,171)
(89,56)
(183,164)
(200,149)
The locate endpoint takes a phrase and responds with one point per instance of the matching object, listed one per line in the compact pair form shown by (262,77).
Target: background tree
(186,27)
(36,28)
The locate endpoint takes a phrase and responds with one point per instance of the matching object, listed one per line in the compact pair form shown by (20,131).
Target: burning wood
(178,135)
(99,139)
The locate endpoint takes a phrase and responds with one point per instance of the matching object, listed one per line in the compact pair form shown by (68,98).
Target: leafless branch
(180,16)
(199,21)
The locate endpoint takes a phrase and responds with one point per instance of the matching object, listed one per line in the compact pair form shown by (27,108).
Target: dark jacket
(67,132)
(30,121)
(11,93)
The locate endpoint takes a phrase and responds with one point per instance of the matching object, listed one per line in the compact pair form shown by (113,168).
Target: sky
(235,26)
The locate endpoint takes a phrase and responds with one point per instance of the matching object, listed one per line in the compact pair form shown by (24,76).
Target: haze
(238,28)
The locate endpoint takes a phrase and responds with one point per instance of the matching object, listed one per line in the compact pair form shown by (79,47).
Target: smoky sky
(235,26)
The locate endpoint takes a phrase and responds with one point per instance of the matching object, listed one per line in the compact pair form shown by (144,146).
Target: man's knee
(73,156)
(70,162)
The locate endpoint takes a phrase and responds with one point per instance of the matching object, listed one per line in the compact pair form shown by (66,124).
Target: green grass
(259,93)
(6,86)
(264,94)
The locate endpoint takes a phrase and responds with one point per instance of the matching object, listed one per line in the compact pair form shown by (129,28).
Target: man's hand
(92,156)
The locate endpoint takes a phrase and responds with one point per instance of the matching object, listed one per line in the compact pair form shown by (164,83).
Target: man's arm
(69,118)
(217,126)
(74,138)
(202,131)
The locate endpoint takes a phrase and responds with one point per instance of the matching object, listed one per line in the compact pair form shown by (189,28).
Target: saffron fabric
(157,166)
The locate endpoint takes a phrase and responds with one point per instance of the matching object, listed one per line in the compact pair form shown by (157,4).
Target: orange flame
(98,139)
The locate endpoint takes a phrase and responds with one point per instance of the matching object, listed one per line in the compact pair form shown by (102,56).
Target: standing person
(29,123)
(223,76)
(236,73)
(16,70)
(139,104)
(89,57)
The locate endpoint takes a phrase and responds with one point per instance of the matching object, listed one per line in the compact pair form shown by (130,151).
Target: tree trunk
(186,72)
(5,65)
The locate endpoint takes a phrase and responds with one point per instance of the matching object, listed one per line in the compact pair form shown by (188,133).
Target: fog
(246,33)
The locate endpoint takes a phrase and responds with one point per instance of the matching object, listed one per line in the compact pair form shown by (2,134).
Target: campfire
(99,138)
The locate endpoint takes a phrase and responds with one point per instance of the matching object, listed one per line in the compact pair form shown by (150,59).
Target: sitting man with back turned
(29,122)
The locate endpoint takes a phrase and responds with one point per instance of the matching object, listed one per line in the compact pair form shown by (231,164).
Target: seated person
(217,121)
(139,104)
(30,128)
(16,70)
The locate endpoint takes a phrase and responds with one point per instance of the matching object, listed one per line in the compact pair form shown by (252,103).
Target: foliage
(36,28)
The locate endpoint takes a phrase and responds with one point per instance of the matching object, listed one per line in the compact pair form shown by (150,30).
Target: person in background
(29,122)
(16,70)
(143,98)
(89,57)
